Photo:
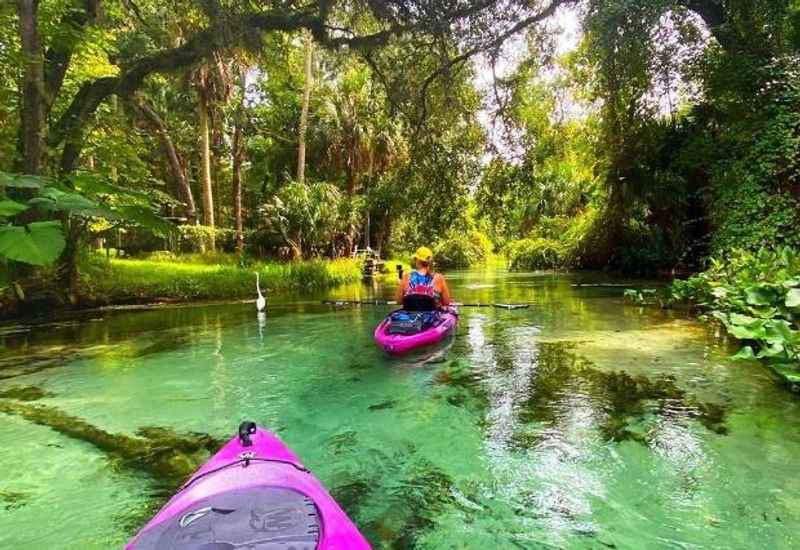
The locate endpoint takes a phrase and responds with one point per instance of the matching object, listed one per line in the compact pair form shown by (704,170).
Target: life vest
(420,294)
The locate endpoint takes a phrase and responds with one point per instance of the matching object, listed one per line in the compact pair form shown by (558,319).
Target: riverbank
(167,278)
(125,281)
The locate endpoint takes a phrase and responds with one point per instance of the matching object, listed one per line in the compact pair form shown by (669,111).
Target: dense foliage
(667,140)
(756,296)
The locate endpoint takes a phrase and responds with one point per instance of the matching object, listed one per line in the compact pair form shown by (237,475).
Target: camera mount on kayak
(246,429)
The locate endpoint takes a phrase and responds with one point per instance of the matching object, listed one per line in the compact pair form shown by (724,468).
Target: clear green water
(581,422)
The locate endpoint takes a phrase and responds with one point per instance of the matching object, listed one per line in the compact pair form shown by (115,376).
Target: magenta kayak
(398,344)
(254,494)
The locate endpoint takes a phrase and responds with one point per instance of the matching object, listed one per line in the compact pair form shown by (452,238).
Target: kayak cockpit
(256,518)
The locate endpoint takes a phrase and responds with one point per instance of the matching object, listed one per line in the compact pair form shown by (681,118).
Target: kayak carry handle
(246,429)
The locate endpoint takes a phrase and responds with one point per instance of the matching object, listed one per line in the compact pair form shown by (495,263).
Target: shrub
(535,253)
(194,238)
(756,296)
(462,249)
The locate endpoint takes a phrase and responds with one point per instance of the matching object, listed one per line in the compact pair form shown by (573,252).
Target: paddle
(394,303)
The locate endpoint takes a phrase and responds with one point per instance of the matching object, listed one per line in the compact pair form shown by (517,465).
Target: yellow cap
(424,254)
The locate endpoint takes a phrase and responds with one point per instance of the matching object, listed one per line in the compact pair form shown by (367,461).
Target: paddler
(423,289)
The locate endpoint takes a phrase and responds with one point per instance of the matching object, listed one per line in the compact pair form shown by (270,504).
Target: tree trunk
(370,171)
(238,158)
(216,160)
(205,169)
(171,154)
(33,87)
(307,84)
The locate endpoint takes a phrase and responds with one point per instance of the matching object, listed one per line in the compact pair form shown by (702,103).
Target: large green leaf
(744,354)
(772,351)
(92,185)
(746,328)
(788,371)
(23,181)
(38,243)
(759,295)
(145,217)
(56,200)
(11,208)
(779,331)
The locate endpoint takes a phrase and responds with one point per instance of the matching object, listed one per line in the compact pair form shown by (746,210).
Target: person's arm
(401,289)
(445,292)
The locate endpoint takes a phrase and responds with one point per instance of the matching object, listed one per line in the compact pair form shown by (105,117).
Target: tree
(240,27)
(171,155)
(308,83)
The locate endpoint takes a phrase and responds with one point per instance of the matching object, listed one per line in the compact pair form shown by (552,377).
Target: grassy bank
(207,278)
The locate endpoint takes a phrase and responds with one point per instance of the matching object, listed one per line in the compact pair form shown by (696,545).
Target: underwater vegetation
(12,500)
(396,509)
(30,363)
(168,456)
(25,393)
(384,405)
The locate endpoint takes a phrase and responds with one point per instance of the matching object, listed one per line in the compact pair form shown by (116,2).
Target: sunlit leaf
(772,351)
(38,243)
(759,295)
(719,292)
(744,354)
(793,297)
(146,218)
(779,331)
(743,320)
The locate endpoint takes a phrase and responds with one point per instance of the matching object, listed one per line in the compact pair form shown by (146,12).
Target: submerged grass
(168,456)
(129,280)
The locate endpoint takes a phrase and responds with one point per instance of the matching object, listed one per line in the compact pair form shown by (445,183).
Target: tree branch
(496,42)
(223,34)
(59,54)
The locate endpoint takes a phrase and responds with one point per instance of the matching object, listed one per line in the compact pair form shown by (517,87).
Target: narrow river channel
(580,422)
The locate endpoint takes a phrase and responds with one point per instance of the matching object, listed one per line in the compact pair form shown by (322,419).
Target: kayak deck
(254,494)
(266,518)
(399,344)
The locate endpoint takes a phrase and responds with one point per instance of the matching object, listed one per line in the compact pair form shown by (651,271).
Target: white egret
(261,302)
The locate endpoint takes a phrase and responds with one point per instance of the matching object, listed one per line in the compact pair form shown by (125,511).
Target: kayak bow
(254,494)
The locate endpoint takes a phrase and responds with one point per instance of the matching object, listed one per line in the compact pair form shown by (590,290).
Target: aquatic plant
(756,297)
(12,500)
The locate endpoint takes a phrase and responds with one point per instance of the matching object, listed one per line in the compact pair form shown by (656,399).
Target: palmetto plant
(359,143)
(304,215)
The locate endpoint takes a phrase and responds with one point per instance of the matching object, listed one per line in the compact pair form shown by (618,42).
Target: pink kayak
(398,344)
(253,494)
